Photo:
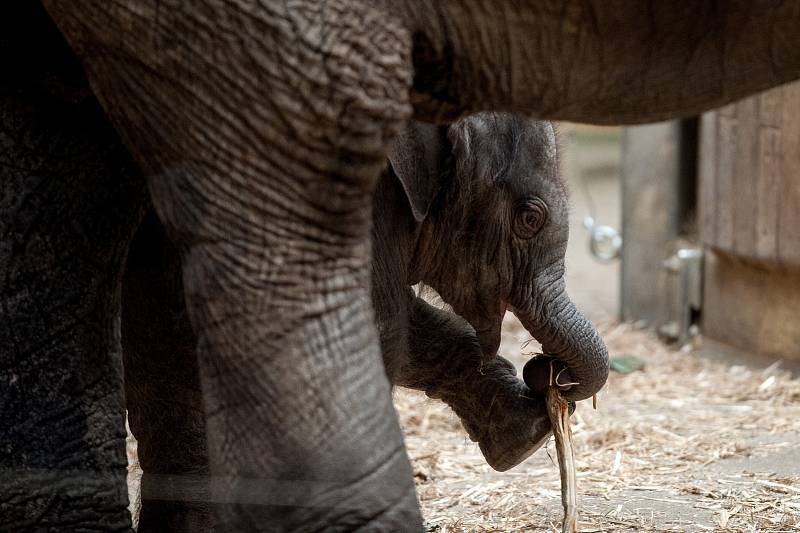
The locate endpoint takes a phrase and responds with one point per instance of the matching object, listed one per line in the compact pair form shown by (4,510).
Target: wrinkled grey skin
(479,212)
(261,129)
(436,190)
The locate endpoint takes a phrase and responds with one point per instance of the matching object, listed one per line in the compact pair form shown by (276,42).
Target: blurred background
(591,164)
(693,226)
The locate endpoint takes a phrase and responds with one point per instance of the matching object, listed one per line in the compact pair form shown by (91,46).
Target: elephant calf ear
(416,158)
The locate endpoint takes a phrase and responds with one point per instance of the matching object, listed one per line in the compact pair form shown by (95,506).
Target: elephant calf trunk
(569,337)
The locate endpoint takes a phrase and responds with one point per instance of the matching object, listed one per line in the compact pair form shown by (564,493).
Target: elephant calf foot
(507,420)
(498,411)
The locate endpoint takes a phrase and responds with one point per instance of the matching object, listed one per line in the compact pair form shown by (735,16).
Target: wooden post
(657,203)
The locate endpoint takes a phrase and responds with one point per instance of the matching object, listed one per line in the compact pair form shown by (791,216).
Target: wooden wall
(749,221)
(750,307)
(749,177)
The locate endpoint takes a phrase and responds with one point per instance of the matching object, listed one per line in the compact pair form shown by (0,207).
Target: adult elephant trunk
(565,334)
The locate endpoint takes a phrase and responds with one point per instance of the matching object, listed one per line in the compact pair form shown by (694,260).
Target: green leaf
(625,364)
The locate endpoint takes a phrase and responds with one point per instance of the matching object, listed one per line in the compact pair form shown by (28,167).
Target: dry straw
(682,446)
(558,411)
(689,444)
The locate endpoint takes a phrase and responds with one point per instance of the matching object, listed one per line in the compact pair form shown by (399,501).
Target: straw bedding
(668,449)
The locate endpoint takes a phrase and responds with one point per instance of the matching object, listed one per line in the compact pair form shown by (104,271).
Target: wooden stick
(558,410)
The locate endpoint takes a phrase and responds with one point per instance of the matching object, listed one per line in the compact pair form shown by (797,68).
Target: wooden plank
(751,308)
(769,174)
(789,217)
(770,104)
(728,110)
(726,163)
(707,178)
(768,193)
(745,177)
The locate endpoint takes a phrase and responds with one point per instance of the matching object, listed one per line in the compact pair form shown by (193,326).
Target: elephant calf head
(492,209)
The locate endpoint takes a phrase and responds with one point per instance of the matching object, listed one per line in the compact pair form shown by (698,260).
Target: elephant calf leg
(496,408)
(162,386)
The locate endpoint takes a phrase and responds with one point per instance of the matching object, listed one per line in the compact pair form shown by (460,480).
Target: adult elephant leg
(162,386)
(70,199)
(301,431)
(263,127)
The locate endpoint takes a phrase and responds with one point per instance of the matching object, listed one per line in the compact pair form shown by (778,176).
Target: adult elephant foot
(263,179)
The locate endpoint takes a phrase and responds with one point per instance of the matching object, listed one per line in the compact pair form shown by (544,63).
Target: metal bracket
(684,298)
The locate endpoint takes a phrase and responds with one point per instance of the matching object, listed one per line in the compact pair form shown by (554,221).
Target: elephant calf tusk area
(556,383)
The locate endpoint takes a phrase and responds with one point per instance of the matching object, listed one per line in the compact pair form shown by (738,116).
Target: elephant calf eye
(530,216)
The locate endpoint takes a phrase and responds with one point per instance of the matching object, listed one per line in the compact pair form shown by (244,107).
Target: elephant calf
(478,211)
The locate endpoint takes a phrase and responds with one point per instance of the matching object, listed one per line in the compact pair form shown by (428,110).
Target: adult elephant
(261,128)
